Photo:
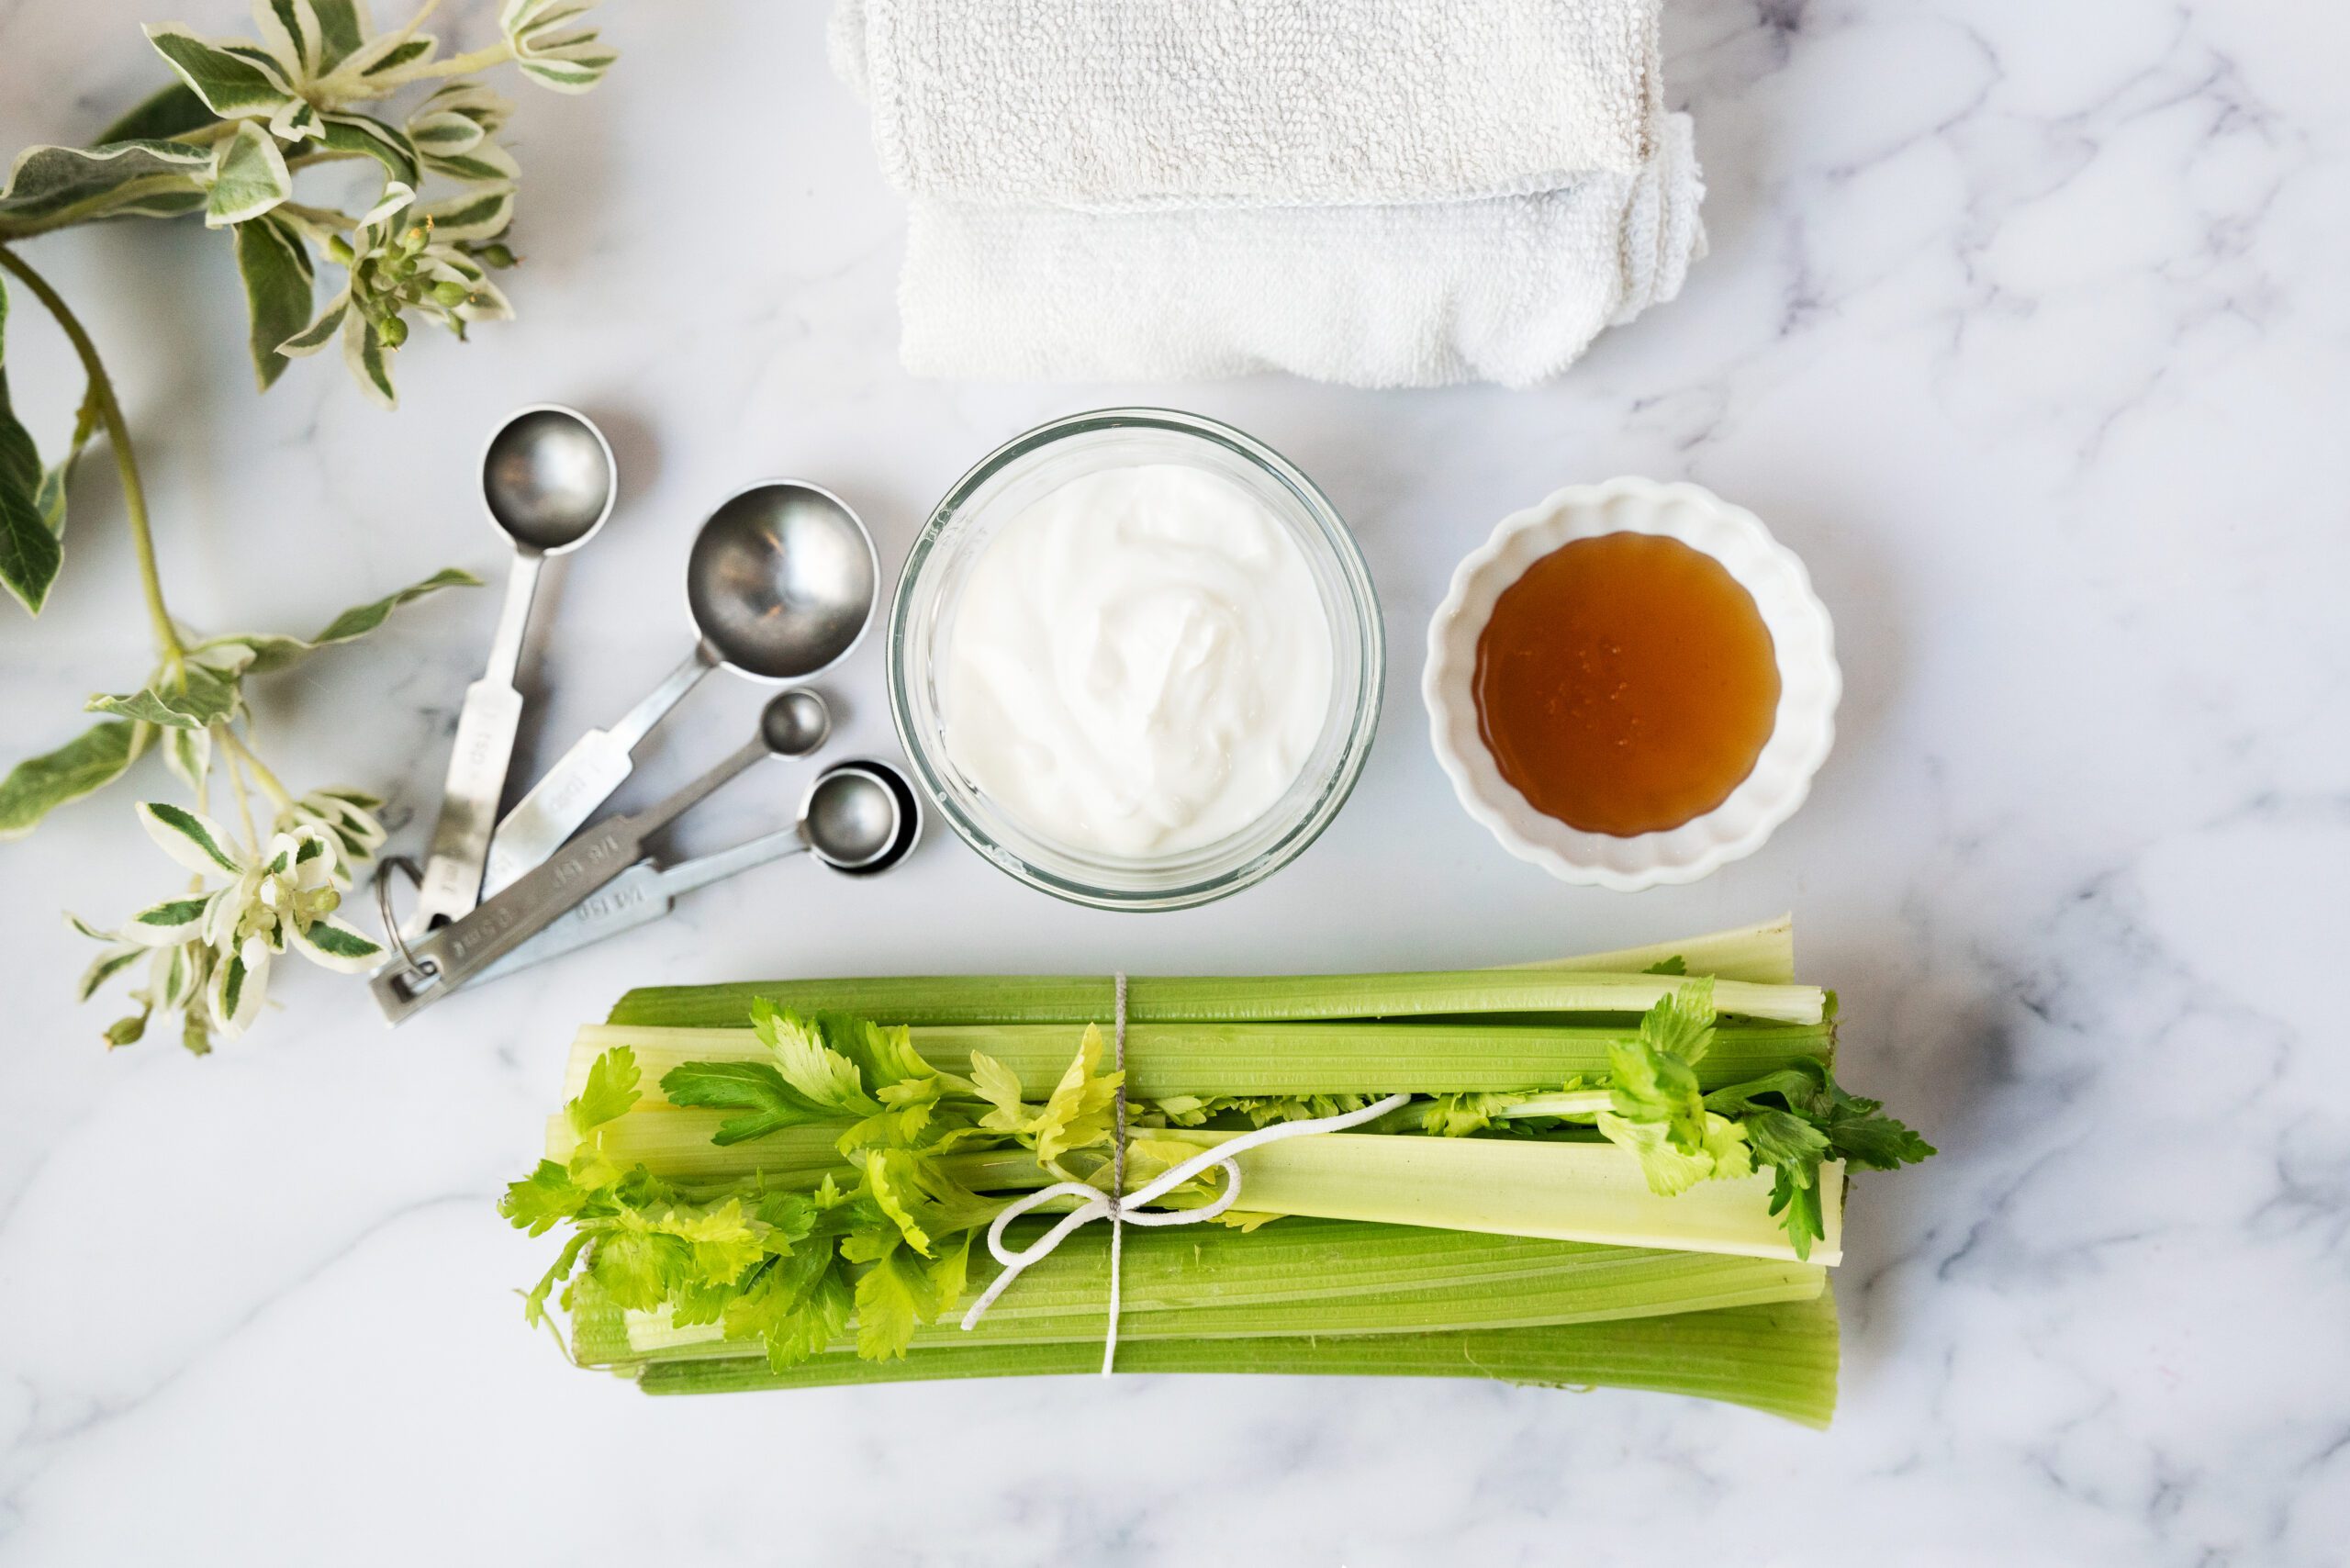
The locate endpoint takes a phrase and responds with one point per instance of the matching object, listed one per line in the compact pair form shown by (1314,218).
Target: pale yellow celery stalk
(1166,1059)
(1561,1191)
(1764,954)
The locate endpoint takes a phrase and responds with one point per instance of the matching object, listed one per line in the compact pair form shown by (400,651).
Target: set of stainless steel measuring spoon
(780,584)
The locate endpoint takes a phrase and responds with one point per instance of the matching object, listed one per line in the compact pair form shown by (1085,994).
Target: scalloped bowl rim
(1803,728)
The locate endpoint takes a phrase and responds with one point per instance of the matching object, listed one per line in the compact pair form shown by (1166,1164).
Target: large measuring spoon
(794,723)
(547,483)
(860,819)
(780,584)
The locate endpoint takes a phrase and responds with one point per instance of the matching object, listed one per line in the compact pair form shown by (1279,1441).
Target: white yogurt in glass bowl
(1136,657)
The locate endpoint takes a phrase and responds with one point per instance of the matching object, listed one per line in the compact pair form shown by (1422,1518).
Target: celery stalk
(1780,1359)
(1151,998)
(1165,1059)
(1763,953)
(1317,1276)
(1563,1190)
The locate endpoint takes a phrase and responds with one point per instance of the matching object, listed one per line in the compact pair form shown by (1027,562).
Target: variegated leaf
(486,162)
(30,553)
(249,177)
(290,30)
(170,111)
(343,27)
(272,652)
(105,967)
(320,332)
(364,354)
(169,922)
(482,213)
(337,945)
(360,135)
(386,53)
(233,83)
(188,754)
(177,975)
(195,841)
(279,285)
(238,984)
(92,760)
(297,122)
(51,187)
(549,50)
(199,696)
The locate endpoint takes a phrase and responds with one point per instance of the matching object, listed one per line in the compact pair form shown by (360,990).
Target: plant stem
(261,774)
(126,461)
(244,800)
(455,65)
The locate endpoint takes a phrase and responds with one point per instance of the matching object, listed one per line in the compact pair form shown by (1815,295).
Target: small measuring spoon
(794,723)
(780,584)
(859,818)
(547,483)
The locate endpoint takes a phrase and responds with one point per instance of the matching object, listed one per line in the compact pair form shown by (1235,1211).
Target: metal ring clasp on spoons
(547,481)
(794,723)
(781,583)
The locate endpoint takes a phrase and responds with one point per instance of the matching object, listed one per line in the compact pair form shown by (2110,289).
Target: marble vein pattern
(2025,324)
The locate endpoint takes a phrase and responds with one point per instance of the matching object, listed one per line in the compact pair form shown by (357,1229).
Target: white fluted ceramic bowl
(1801,734)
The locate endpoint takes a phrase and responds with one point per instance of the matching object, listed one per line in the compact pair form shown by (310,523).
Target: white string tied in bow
(1123,1208)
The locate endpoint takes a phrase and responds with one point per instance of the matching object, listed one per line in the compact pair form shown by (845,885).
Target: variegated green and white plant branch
(321,84)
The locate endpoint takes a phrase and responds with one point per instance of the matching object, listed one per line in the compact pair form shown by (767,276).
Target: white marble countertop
(2024,324)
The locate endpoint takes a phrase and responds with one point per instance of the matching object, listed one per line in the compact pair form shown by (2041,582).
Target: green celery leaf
(1079,1114)
(534,1305)
(769,1102)
(539,1200)
(1676,964)
(893,1295)
(610,1091)
(93,759)
(820,1076)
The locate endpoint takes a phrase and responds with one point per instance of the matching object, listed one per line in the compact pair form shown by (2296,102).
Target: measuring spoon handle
(598,763)
(456,953)
(636,897)
(486,726)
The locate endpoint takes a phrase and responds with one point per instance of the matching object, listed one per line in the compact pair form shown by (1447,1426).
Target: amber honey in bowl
(1626,684)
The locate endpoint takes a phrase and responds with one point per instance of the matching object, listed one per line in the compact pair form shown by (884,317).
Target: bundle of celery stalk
(1626,1170)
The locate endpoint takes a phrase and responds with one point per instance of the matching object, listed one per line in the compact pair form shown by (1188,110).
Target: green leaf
(820,1075)
(199,696)
(357,135)
(1078,1115)
(1676,964)
(798,1305)
(892,1296)
(249,177)
(538,1202)
(611,1088)
(233,82)
(272,652)
(276,266)
(30,552)
(194,841)
(50,186)
(169,111)
(92,760)
(768,1103)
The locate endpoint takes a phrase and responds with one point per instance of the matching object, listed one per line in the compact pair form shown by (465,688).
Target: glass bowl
(1004,483)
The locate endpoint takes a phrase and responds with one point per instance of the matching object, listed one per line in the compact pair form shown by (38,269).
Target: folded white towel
(1377,193)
